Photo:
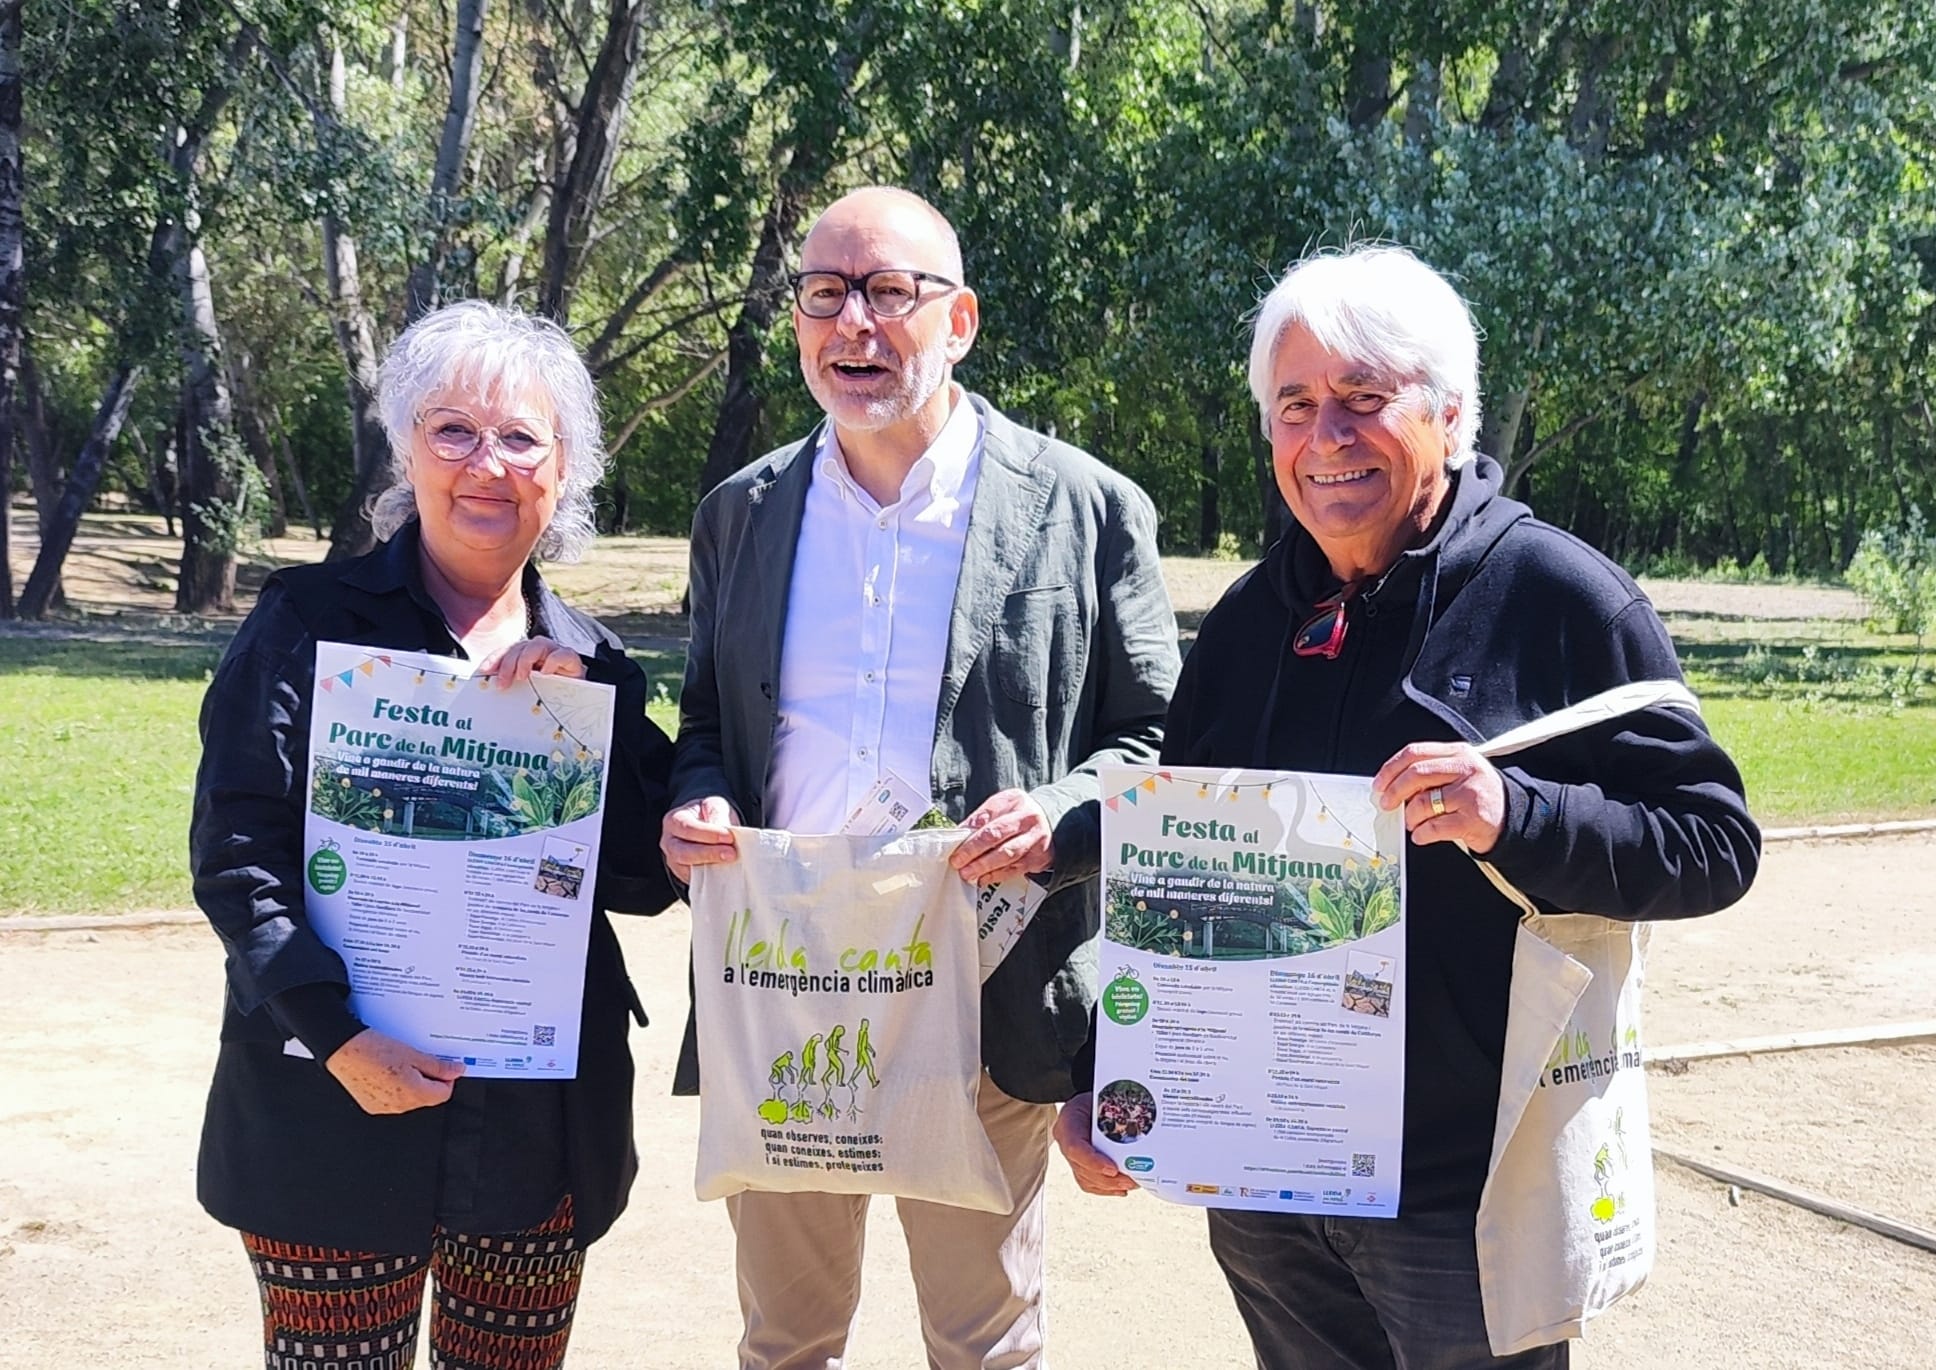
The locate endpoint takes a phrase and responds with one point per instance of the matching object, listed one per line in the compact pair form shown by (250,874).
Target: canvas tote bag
(837,989)
(1566,1219)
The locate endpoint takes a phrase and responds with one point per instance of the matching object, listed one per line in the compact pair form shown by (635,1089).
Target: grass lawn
(1809,763)
(98,747)
(1830,723)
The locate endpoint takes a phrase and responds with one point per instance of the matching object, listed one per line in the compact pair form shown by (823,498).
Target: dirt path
(106,1260)
(123,565)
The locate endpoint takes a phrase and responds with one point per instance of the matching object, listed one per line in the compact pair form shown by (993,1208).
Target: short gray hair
(1380,305)
(479,344)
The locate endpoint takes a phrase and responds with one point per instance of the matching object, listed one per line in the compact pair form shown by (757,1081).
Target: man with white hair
(924,588)
(1410,612)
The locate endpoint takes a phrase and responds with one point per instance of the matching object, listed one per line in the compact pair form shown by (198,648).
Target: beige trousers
(977,1276)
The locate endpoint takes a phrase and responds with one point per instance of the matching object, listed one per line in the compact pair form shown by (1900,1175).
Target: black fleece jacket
(1496,620)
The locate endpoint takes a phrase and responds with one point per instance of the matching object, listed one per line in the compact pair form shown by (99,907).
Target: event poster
(451,851)
(1251,1032)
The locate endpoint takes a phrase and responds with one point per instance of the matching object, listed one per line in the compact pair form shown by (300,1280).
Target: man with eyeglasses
(921,587)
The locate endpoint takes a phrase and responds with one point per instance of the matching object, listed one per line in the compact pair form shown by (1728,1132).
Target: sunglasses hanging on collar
(1322,634)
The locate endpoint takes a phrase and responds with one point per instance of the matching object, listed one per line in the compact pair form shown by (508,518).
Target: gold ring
(1437,796)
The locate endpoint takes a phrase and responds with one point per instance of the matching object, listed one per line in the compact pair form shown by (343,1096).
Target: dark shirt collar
(396,567)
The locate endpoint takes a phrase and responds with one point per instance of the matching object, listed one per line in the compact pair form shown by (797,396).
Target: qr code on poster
(1364,1165)
(543,1035)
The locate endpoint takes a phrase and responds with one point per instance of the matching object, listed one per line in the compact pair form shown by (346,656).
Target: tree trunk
(6,529)
(13,271)
(293,470)
(1210,415)
(1499,433)
(214,482)
(1277,514)
(255,440)
(1209,513)
(1518,467)
(1368,92)
(396,56)
(161,474)
(214,485)
(54,543)
(167,248)
(1422,103)
(537,212)
(460,118)
(1065,39)
(44,475)
(599,122)
(1591,121)
(1687,449)
(815,150)
(355,330)
(1510,85)
(739,407)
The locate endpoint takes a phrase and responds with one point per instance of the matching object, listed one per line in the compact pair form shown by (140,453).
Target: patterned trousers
(502,1302)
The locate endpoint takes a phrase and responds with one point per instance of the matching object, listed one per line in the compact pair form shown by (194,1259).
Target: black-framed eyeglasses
(890,292)
(1322,634)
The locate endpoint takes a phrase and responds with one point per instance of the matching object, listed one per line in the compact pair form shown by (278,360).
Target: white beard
(921,375)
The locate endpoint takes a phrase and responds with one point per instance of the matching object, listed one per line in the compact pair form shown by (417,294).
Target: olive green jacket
(1062,654)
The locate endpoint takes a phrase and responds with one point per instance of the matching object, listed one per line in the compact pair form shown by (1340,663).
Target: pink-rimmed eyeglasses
(454,435)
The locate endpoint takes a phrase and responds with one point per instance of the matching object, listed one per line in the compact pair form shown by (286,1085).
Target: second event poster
(1251,1031)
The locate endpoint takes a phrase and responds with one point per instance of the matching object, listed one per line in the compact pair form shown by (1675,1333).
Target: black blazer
(286,1152)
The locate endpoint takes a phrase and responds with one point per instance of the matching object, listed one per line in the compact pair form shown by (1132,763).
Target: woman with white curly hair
(357,1167)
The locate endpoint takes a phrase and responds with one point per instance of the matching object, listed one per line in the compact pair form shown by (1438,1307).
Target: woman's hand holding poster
(1251,1032)
(451,850)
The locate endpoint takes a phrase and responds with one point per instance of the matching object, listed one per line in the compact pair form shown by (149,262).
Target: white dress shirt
(866,633)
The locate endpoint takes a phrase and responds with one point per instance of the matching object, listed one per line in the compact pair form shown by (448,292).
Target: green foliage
(1364,902)
(1700,240)
(531,800)
(1133,923)
(333,795)
(1894,570)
